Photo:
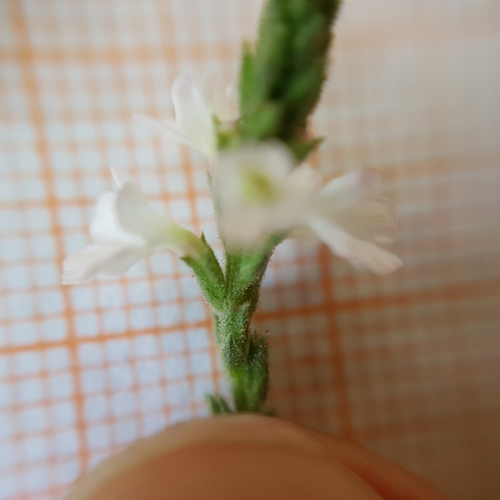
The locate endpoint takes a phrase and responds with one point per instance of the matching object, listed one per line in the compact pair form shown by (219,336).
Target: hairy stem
(281,79)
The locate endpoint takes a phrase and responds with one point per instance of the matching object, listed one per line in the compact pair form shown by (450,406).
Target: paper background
(406,364)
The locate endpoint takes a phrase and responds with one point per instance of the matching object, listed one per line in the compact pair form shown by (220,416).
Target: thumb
(246,457)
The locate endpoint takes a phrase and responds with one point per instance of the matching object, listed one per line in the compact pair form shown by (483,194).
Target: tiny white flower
(125,228)
(259,192)
(196,102)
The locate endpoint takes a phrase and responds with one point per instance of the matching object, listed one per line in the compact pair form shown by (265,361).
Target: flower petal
(271,160)
(370,218)
(126,228)
(193,114)
(105,227)
(251,192)
(107,259)
(304,180)
(360,253)
(196,101)
(343,191)
(221,98)
(137,217)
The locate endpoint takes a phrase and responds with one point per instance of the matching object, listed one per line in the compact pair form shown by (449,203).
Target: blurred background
(408,365)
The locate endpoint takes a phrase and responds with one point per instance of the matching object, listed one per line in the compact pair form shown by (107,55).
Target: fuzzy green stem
(281,79)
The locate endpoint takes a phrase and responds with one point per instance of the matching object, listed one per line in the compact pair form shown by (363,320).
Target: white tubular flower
(125,228)
(197,101)
(259,193)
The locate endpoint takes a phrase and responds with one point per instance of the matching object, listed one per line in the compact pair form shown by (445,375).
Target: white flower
(196,102)
(125,228)
(259,193)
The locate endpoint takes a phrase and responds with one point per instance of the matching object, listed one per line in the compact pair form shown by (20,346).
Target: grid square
(176,368)
(33,419)
(114,321)
(169,315)
(126,431)
(87,325)
(46,274)
(110,296)
(123,403)
(166,290)
(150,399)
(98,437)
(16,278)
(142,318)
(35,449)
(175,183)
(61,386)
(63,414)
(29,391)
(96,408)
(93,381)
(54,329)
(201,363)
(23,333)
(120,377)
(7,426)
(178,394)
(146,345)
(148,372)
(27,363)
(195,311)
(180,210)
(50,302)
(7,456)
(13,249)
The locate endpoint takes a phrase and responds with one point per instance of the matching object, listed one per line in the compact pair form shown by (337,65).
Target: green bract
(282,77)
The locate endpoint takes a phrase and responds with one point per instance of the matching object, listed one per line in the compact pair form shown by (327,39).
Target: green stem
(281,79)
(243,351)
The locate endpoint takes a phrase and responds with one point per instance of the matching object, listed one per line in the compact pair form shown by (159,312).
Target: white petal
(370,218)
(221,98)
(119,176)
(360,253)
(272,159)
(250,186)
(100,259)
(193,114)
(126,228)
(106,228)
(137,217)
(196,101)
(304,234)
(303,181)
(345,190)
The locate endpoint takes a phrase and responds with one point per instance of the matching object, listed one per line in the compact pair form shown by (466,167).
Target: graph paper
(408,365)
